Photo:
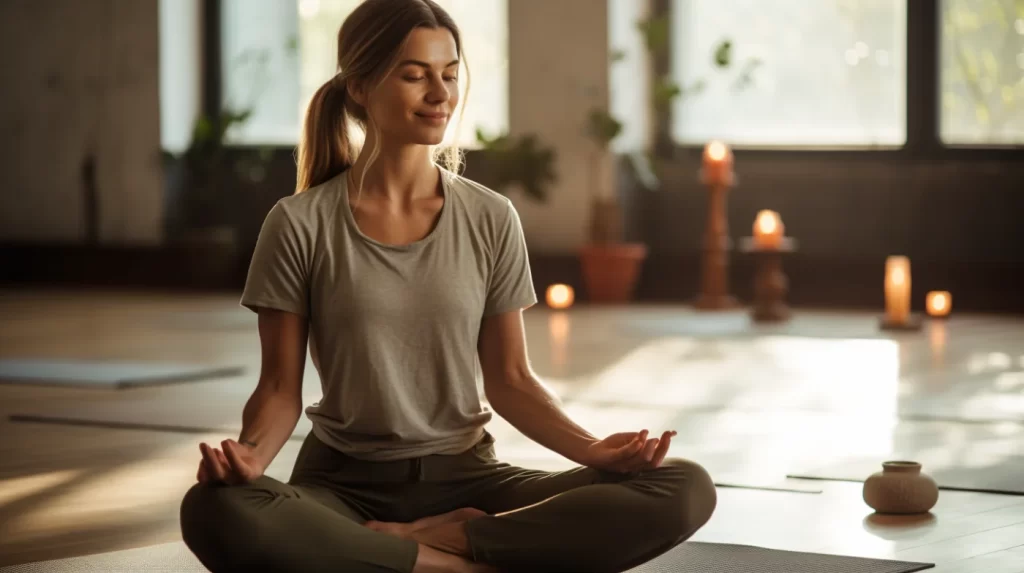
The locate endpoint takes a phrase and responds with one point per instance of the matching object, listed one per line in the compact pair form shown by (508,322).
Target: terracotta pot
(611,271)
(900,488)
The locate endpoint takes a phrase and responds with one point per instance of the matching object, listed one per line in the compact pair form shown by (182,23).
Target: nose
(438,92)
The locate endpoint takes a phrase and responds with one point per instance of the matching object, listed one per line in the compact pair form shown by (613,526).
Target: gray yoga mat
(107,374)
(1002,475)
(690,557)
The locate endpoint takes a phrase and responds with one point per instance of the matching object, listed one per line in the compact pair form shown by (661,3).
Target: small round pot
(900,488)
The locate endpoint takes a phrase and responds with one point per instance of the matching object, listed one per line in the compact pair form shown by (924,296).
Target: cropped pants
(580,520)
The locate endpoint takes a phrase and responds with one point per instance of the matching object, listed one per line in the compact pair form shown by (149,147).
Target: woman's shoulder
(310,205)
(479,199)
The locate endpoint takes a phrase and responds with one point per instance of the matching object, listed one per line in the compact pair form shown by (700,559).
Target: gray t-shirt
(393,329)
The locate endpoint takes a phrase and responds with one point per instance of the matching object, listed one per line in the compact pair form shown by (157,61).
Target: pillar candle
(717,163)
(768,230)
(938,303)
(897,289)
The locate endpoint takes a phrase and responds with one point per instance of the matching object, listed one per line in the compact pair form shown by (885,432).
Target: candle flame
(767,221)
(939,303)
(717,150)
(560,296)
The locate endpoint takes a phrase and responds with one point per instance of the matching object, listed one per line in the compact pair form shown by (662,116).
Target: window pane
(180,62)
(260,69)
(269,27)
(982,72)
(831,72)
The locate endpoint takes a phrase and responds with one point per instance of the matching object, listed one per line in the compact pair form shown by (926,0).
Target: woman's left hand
(628,452)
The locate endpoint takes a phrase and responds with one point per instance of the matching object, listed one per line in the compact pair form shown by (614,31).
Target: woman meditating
(408,282)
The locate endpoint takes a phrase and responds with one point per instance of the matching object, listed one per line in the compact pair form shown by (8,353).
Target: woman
(401,275)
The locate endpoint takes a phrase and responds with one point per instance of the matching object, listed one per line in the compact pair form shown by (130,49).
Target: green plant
(519,160)
(205,174)
(603,127)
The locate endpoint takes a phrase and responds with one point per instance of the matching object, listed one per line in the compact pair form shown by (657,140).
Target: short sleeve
(511,283)
(279,270)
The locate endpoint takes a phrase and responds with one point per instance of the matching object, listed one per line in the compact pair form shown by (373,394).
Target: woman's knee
(210,514)
(693,497)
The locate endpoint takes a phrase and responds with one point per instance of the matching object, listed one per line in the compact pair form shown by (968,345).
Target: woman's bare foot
(430,560)
(406,529)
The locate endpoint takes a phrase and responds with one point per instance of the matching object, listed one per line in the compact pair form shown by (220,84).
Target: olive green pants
(580,520)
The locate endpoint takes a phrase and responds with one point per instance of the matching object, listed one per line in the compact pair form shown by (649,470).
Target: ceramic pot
(900,488)
(611,271)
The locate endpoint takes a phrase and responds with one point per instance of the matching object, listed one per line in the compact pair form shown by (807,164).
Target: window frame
(923,141)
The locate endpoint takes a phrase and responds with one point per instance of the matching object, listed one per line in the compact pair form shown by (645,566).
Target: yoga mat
(693,557)
(107,374)
(1001,474)
(696,557)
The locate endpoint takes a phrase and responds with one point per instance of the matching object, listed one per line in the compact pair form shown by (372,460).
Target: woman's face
(415,103)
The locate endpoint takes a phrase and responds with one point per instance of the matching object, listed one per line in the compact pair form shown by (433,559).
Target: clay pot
(611,271)
(900,488)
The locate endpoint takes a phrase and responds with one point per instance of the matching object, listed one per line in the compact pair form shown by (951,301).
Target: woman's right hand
(236,465)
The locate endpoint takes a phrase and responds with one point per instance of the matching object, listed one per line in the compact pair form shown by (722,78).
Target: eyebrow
(425,64)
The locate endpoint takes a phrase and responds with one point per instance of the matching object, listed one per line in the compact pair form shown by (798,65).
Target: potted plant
(204,182)
(504,161)
(611,267)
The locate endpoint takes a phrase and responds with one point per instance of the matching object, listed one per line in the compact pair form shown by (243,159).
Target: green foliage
(602,127)
(510,160)
(655,32)
(723,54)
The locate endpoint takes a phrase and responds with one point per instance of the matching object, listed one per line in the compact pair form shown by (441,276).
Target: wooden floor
(750,403)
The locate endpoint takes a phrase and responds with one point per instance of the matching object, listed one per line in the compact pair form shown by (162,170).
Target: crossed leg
(581,520)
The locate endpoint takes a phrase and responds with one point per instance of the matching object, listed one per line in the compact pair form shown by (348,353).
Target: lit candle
(560,296)
(897,289)
(768,230)
(717,163)
(938,303)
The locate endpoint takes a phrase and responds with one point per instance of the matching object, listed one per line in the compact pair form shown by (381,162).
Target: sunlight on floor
(20,487)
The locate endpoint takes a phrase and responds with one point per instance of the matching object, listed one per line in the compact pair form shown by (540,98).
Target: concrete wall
(558,69)
(81,80)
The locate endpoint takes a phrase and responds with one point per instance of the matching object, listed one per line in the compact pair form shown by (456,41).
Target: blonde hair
(369,43)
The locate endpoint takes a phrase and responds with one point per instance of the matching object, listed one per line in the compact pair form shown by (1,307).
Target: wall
(963,210)
(558,69)
(81,80)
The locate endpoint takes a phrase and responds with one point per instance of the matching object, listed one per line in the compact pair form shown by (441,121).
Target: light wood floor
(751,403)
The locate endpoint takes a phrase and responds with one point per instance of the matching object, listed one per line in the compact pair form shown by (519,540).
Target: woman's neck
(397,173)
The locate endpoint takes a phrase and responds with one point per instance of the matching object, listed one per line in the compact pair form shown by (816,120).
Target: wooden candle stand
(714,292)
(770,283)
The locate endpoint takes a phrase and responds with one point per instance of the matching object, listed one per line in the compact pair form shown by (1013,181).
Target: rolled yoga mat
(692,557)
(1001,475)
(107,374)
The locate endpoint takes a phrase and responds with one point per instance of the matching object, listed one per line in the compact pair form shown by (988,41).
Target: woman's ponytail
(325,149)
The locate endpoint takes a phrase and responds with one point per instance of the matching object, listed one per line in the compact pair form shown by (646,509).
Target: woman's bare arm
(273,410)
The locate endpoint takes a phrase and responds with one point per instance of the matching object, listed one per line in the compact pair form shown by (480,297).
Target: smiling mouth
(433,115)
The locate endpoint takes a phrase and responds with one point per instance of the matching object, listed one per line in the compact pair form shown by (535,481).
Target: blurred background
(146,140)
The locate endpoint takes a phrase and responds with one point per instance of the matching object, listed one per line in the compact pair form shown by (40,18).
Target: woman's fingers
(234,459)
(649,449)
(662,451)
(217,469)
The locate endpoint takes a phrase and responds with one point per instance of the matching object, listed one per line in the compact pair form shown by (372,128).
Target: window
(277,53)
(982,72)
(180,62)
(824,72)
